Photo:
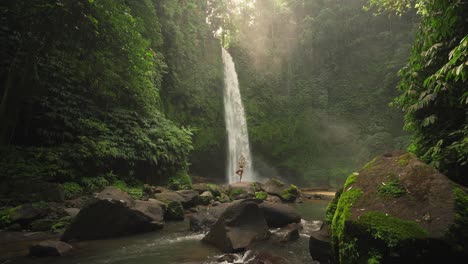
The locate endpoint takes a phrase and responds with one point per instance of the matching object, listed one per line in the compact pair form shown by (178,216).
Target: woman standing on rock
(240,171)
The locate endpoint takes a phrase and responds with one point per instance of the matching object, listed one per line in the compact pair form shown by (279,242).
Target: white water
(236,125)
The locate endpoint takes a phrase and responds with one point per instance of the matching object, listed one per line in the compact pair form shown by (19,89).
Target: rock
(72,211)
(202,221)
(200,187)
(282,190)
(112,193)
(279,215)
(50,248)
(397,209)
(223,198)
(26,213)
(207,216)
(14,227)
(244,188)
(174,211)
(273,199)
(206,198)
(240,225)
(320,245)
(153,209)
(189,198)
(291,233)
(113,213)
(42,224)
(267,258)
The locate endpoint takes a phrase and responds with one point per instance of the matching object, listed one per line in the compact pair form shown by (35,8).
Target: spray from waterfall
(236,124)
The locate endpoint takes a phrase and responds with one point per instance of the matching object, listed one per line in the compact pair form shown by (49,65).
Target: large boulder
(114,213)
(320,245)
(279,215)
(50,248)
(238,227)
(397,209)
(207,217)
(242,190)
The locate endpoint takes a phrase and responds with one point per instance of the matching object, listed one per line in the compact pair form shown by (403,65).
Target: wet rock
(279,215)
(113,213)
(320,245)
(240,225)
(50,248)
(291,233)
(189,198)
(202,221)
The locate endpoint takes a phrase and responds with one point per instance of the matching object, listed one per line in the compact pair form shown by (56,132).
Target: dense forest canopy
(95,91)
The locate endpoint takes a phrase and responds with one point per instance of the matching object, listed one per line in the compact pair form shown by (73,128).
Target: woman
(240,171)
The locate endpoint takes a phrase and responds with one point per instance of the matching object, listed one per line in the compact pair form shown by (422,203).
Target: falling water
(236,125)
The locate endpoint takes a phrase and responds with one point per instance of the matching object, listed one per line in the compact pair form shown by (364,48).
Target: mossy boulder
(287,193)
(397,209)
(174,211)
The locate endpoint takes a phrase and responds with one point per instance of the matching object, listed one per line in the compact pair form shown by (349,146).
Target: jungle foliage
(433,86)
(82,83)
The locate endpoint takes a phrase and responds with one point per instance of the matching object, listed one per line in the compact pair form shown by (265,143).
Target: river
(176,245)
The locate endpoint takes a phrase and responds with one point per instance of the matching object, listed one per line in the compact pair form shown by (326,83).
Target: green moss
(5,216)
(403,160)
(72,190)
(342,214)
(290,194)
(389,229)
(256,187)
(94,183)
(374,257)
(180,181)
(261,195)
(393,188)
(214,189)
(174,211)
(277,182)
(135,191)
(349,249)
(350,180)
(236,192)
(40,205)
(59,226)
(331,208)
(369,164)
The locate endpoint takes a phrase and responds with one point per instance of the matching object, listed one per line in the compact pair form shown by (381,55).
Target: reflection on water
(176,245)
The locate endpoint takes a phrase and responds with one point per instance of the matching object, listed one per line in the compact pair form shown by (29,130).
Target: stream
(175,244)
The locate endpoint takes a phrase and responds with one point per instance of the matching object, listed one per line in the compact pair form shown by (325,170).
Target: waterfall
(236,125)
